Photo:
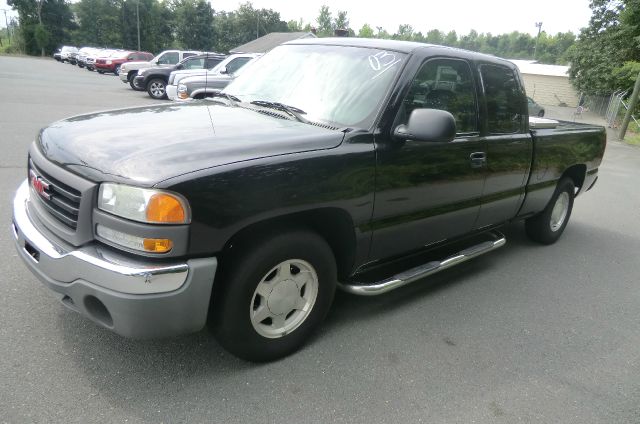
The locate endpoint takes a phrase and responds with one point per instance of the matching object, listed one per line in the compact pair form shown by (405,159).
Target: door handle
(478,159)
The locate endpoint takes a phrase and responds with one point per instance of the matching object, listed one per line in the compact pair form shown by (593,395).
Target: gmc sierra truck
(351,163)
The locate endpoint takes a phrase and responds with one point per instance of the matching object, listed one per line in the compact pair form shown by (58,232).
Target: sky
(495,16)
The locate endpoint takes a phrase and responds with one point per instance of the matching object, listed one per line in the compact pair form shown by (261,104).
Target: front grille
(60,200)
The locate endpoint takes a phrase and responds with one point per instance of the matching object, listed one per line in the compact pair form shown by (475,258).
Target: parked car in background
(56,55)
(83,53)
(154,80)
(114,62)
(200,87)
(90,63)
(229,66)
(534,108)
(129,70)
(66,51)
(73,58)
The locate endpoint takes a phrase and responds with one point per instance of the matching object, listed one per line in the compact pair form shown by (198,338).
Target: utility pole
(632,105)
(138,19)
(535,49)
(7,24)
(257,24)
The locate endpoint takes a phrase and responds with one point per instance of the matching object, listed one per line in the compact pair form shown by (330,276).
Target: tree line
(606,56)
(46,24)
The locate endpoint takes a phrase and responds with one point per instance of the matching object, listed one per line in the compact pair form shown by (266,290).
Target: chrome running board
(425,270)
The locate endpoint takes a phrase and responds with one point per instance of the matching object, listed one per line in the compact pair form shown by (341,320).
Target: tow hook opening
(97,311)
(32,251)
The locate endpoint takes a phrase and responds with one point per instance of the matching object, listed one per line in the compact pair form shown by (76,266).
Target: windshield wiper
(291,110)
(232,99)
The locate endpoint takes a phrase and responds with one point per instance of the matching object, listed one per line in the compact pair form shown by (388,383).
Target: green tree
(43,24)
(603,47)
(194,24)
(341,21)
(325,22)
(366,31)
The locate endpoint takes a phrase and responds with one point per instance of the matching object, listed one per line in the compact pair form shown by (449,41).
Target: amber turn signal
(166,209)
(157,245)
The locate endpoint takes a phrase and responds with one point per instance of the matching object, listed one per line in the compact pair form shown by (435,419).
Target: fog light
(151,245)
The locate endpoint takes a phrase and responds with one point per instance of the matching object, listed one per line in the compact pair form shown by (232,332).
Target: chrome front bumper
(172,91)
(135,298)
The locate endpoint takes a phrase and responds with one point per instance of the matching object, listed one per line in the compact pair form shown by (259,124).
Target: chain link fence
(611,107)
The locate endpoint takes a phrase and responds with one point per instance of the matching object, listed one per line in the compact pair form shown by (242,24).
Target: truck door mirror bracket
(430,125)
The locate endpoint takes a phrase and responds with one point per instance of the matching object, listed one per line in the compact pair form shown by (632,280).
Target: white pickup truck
(129,70)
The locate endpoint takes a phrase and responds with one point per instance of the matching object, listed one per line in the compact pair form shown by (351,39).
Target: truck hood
(146,145)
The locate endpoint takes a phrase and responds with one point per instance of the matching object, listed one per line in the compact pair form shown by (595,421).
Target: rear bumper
(134,298)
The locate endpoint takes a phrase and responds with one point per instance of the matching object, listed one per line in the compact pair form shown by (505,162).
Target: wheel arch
(577,173)
(334,225)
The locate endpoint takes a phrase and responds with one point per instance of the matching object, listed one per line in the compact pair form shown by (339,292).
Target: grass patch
(633,134)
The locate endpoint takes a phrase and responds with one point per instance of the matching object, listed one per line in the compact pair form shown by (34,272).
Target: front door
(429,191)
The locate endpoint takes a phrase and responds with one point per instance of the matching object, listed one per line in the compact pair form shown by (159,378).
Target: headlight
(109,62)
(143,205)
(182,91)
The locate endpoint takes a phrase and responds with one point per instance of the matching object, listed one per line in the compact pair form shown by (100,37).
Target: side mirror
(433,125)
(223,70)
(179,67)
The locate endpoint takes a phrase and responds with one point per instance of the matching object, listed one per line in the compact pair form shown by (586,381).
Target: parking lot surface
(525,334)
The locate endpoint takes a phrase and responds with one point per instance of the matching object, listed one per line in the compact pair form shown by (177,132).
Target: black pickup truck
(351,163)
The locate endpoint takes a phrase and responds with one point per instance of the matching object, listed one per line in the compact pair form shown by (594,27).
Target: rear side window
(504,99)
(444,84)
(235,64)
(195,63)
(188,54)
(212,61)
(169,58)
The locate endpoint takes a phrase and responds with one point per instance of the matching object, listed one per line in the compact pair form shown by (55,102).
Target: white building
(547,84)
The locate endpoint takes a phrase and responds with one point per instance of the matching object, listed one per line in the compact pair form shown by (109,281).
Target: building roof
(534,68)
(269,41)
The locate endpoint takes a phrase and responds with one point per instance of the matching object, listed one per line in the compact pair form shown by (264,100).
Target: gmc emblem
(38,184)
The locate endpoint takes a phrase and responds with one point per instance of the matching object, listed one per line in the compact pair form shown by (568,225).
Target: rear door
(429,191)
(509,146)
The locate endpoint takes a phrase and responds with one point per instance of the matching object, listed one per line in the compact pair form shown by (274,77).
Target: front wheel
(157,89)
(548,225)
(273,294)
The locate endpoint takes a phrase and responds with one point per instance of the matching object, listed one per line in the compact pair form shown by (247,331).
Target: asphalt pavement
(525,334)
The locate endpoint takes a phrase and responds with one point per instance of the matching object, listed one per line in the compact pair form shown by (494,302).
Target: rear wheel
(548,225)
(274,293)
(157,88)
(117,70)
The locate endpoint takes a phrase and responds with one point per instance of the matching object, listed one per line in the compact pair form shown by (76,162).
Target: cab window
(504,99)
(195,63)
(444,84)
(169,58)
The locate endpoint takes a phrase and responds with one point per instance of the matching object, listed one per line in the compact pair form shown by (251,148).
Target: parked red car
(117,58)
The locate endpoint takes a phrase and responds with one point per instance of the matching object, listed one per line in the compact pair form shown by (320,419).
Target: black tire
(116,70)
(544,228)
(235,288)
(157,88)
(100,72)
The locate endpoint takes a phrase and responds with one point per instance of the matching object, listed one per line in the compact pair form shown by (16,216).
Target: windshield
(120,55)
(339,85)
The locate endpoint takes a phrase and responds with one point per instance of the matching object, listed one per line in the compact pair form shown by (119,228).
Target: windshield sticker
(382,62)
